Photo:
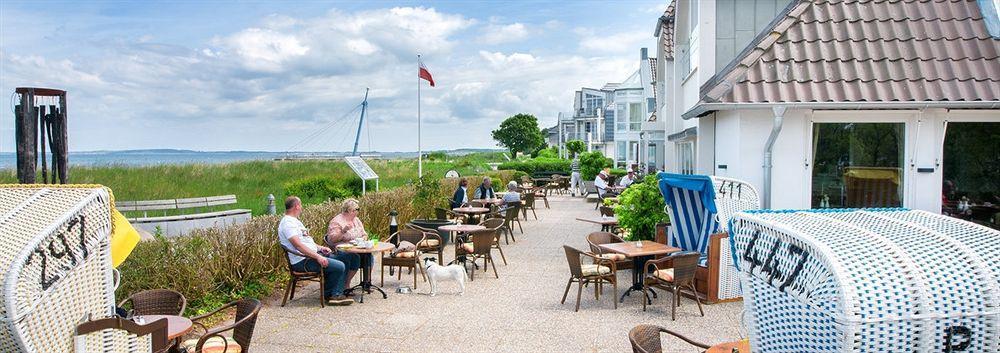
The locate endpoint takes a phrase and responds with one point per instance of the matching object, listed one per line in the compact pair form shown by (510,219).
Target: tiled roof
(652,78)
(665,31)
(866,51)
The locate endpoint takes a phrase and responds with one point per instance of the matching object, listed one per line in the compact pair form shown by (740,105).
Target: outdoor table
(607,223)
(639,257)
(177,326)
(472,211)
(460,228)
(495,201)
(366,275)
(742,346)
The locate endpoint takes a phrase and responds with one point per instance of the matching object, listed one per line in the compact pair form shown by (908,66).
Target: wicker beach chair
(602,271)
(646,339)
(213,339)
(673,273)
(155,302)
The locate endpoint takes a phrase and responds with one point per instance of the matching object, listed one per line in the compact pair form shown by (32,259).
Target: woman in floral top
(343,228)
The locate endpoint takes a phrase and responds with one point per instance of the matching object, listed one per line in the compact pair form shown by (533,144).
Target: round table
(471,210)
(366,276)
(490,201)
(460,228)
(742,346)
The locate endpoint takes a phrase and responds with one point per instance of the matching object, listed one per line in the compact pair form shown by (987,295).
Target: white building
(587,122)
(834,103)
(637,139)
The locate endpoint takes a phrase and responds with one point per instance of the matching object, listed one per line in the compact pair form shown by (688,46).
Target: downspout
(779,115)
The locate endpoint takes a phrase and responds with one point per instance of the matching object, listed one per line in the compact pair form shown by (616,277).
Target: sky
(289,76)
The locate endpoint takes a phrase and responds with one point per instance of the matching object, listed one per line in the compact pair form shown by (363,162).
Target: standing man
(574,181)
(306,256)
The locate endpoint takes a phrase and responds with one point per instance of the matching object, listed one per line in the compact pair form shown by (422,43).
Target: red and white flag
(424,73)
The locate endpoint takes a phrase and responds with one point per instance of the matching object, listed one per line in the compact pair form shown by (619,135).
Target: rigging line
(316,143)
(368,126)
(342,129)
(323,129)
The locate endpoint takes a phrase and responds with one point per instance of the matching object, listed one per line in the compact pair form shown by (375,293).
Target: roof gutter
(705,108)
(779,115)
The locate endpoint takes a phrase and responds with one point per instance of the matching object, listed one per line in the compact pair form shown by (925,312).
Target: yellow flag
(123,238)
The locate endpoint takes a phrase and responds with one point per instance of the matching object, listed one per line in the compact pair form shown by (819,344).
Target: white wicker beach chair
(868,280)
(55,249)
(700,208)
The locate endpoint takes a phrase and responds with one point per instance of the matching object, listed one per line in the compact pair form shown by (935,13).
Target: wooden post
(42,125)
(26,137)
(62,159)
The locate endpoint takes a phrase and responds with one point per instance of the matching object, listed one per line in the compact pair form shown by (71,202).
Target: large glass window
(685,157)
(635,116)
(971,189)
(620,118)
(620,151)
(857,165)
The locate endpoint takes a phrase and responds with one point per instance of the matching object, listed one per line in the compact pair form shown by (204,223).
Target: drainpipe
(779,115)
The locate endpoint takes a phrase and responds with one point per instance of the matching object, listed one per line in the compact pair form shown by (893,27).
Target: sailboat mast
(357,137)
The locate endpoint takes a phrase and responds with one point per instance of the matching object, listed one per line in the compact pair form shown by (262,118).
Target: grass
(252,181)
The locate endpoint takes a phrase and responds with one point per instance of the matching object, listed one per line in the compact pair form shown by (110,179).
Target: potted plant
(640,210)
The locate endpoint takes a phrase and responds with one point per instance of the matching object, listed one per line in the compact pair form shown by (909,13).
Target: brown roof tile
(666,31)
(866,51)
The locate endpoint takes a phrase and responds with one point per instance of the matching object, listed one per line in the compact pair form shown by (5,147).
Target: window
(857,165)
(689,52)
(591,104)
(620,120)
(971,189)
(685,157)
(650,104)
(586,127)
(635,116)
(620,151)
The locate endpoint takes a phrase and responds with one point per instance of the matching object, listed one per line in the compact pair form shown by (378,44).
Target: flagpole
(420,151)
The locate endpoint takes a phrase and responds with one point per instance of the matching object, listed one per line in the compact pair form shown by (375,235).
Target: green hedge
(532,166)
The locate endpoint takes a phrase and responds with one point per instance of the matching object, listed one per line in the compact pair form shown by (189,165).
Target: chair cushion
(215,344)
(468,248)
(612,256)
(593,270)
(703,261)
(429,243)
(406,254)
(665,274)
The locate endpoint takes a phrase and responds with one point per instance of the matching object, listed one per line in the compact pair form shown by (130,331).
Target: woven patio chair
(121,327)
(543,196)
(646,339)
(496,225)
(294,277)
(408,259)
(680,275)
(528,203)
(597,238)
(480,247)
(213,340)
(600,272)
(432,241)
(155,302)
(607,211)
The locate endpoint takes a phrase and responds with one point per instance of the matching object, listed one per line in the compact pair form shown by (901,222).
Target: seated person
(343,228)
(511,197)
(628,179)
(484,191)
(461,196)
(601,181)
(294,236)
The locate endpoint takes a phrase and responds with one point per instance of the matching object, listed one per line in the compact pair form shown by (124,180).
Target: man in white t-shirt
(306,256)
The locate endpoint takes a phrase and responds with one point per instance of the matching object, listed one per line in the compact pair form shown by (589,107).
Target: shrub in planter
(640,208)
(591,163)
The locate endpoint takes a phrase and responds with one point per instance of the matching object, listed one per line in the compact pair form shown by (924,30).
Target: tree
(591,163)
(519,133)
(575,147)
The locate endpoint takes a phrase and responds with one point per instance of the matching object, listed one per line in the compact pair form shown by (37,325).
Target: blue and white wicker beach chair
(700,207)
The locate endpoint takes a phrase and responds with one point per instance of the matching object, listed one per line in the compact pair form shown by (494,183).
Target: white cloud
(496,33)
(616,42)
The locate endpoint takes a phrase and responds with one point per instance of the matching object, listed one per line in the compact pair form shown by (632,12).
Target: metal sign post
(361,168)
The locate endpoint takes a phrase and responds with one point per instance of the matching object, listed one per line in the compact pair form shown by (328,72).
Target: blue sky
(263,75)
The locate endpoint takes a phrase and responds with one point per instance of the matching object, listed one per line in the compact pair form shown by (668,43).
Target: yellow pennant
(124,237)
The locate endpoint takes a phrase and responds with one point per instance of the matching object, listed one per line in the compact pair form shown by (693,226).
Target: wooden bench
(179,204)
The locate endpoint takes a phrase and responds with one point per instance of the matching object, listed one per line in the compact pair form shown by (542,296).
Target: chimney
(643,54)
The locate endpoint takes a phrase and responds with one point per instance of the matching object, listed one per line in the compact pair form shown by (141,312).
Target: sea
(8,160)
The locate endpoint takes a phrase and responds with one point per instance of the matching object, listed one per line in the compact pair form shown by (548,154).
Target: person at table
(601,181)
(461,196)
(343,228)
(293,235)
(627,180)
(484,191)
(511,197)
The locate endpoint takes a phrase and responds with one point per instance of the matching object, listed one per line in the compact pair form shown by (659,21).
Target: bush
(550,153)
(532,166)
(437,156)
(316,189)
(640,208)
(591,163)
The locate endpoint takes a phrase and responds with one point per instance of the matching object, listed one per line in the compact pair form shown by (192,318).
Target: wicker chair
(602,271)
(409,259)
(528,203)
(294,277)
(156,302)
(449,215)
(496,225)
(680,275)
(646,339)
(432,241)
(511,216)
(480,248)
(242,328)
(598,238)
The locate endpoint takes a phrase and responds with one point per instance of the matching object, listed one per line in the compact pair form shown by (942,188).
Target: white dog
(437,272)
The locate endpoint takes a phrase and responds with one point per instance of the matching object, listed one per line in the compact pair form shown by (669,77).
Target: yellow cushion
(215,344)
(429,242)
(612,256)
(666,274)
(593,270)
(406,254)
